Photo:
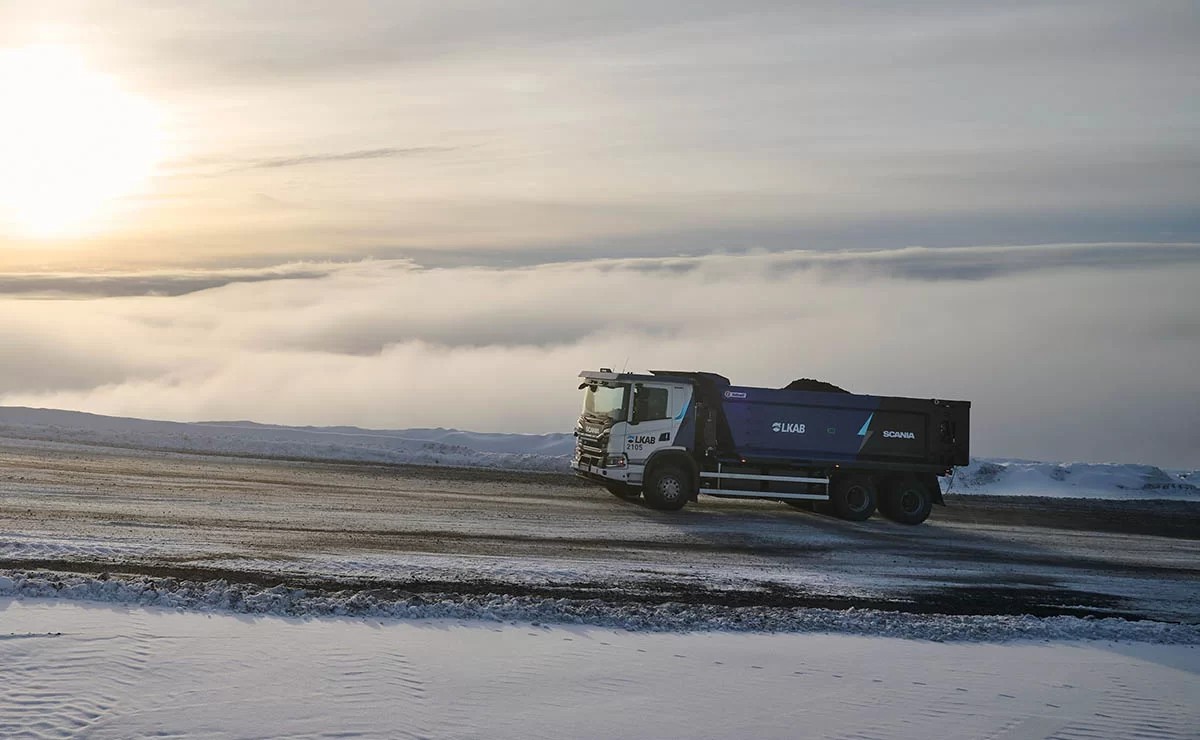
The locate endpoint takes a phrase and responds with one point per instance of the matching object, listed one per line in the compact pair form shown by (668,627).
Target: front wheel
(667,488)
(907,501)
(854,498)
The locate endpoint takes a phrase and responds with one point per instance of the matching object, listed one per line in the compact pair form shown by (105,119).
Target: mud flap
(931,482)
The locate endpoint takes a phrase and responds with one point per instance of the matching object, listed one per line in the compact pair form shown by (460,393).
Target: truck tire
(907,501)
(854,498)
(668,487)
(623,490)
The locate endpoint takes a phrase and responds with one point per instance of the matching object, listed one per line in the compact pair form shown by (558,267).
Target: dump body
(843,428)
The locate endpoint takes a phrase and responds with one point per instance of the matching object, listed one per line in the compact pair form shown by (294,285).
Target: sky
(435,214)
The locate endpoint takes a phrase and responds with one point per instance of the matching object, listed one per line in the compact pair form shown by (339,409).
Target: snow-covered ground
(1000,477)
(209,596)
(114,672)
(545,452)
(406,446)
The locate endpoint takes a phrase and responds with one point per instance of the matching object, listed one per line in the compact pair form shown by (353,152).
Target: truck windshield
(604,401)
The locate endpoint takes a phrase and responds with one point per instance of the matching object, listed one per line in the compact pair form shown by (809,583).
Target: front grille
(591,450)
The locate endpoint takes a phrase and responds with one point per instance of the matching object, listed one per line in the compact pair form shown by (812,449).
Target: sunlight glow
(72,142)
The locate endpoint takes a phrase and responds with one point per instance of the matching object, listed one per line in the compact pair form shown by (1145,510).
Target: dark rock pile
(819,386)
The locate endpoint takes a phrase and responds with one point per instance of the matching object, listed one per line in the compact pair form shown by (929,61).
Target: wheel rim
(910,501)
(857,498)
(670,488)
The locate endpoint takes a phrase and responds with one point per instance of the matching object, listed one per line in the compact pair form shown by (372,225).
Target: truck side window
(649,404)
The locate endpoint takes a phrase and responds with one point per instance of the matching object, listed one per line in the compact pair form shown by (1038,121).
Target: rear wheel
(854,498)
(667,488)
(907,501)
(623,490)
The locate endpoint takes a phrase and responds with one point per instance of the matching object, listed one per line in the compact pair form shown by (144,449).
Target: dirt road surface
(80,509)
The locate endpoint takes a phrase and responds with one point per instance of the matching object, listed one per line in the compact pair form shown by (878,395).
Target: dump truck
(669,436)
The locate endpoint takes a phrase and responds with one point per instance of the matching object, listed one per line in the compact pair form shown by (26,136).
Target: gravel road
(81,509)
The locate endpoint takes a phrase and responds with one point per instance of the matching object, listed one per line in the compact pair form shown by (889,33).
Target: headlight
(615,461)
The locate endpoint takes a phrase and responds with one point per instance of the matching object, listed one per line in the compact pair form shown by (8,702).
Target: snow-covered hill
(408,446)
(999,477)
(546,452)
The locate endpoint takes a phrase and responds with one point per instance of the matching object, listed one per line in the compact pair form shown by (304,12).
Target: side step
(748,476)
(720,476)
(765,494)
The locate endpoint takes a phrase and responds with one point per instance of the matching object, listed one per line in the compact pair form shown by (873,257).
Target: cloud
(361,36)
(148,283)
(980,263)
(908,263)
(640,128)
(384,153)
(1065,362)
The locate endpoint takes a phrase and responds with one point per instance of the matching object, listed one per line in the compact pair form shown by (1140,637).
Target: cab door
(651,423)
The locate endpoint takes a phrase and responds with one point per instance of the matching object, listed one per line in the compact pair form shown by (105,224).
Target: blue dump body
(789,425)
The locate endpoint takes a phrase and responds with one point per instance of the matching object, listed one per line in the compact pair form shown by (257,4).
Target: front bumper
(597,473)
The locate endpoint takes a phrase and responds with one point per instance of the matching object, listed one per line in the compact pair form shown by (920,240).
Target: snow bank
(1072,480)
(245,598)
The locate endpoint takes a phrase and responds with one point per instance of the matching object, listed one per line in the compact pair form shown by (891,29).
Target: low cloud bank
(148,283)
(1064,355)
(907,263)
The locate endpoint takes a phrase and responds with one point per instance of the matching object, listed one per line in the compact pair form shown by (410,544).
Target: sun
(72,142)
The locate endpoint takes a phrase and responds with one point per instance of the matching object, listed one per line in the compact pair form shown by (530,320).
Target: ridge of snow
(244,598)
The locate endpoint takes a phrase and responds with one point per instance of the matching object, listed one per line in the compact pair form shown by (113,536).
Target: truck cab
(627,419)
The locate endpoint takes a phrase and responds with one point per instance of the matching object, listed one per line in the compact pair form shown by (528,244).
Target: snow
(1000,477)
(410,446)
(120,655)
(536,452)
(116,672)
(280,600)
